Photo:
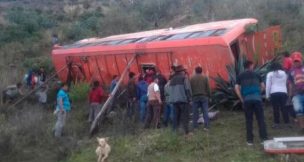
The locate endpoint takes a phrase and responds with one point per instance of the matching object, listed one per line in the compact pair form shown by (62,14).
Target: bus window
(179,36)
(235,49)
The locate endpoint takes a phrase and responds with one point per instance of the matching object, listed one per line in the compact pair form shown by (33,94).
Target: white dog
(103,149)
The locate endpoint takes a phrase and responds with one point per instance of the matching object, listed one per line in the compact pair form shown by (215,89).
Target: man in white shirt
(154,104)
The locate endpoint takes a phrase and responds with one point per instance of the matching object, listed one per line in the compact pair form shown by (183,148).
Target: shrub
(24,24)
(37,62)
(79,92)
(224,91)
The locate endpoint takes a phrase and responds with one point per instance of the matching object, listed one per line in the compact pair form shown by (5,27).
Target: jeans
(153,114)
(278,101)
(169,114)
(60,123)
(94,110)
(254,107)
(298,103)
(181,115)
(142,108)
(203,104)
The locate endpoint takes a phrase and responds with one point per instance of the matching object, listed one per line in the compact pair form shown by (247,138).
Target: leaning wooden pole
(108,102)
(35,89)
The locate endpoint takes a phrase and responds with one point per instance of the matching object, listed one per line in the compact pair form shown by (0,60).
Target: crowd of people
(31,80)
(156,101)
(284,88)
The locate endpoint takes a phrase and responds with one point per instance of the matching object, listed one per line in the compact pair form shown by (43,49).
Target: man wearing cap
(180,95)
(296,85)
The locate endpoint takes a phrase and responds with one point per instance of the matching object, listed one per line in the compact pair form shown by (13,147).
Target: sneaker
(249,143)
(206,129)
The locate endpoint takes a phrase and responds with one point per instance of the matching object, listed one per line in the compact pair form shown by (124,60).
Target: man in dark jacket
(249,86)
(162,81)
(200,96)
(132,95)
(180,96)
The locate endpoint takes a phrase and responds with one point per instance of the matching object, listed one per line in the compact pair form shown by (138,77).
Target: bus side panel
(261,46)
(98,69)
(213,60)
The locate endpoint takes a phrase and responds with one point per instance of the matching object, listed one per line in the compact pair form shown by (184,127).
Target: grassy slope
(224,143)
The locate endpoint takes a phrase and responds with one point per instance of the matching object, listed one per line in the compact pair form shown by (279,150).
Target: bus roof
(225,31)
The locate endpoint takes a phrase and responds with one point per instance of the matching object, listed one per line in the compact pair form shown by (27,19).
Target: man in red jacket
(95,100)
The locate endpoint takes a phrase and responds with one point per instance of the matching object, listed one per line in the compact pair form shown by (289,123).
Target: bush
(224,92)
(88,25)
(79,92)
(25,24)
(37,62)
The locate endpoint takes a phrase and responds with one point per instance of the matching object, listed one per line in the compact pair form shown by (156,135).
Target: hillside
(26,30)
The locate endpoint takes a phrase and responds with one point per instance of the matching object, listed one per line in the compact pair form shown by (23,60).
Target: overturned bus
(209,45)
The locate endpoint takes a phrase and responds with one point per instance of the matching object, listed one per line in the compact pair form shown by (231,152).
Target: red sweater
(95,95)
(287,63)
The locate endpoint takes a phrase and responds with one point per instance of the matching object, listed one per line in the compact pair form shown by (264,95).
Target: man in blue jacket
(142,88)
(63,107)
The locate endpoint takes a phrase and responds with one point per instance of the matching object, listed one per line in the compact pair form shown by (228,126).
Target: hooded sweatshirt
(276,81)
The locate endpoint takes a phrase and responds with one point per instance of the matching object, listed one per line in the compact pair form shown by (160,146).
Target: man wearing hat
(180,96)
(296,86)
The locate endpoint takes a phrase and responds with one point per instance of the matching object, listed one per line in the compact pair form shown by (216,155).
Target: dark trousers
(131,108)
(250,108)
(181,115)
(278,101)
(153,114)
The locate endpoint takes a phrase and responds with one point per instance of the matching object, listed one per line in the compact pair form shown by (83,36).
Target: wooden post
(108,102)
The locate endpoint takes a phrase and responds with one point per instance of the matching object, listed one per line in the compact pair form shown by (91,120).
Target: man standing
(63,107)
(169,111)
(162,81)
(296,87)
(200,96)
(41,76)
(132,94)
(114,82)
(95,100)
(180,96)
(142,88)
(154,104)
(248,87)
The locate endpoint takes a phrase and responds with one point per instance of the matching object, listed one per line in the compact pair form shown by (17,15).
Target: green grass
(225,142)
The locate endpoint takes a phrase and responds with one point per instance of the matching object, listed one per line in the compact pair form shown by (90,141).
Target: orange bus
(210,45)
